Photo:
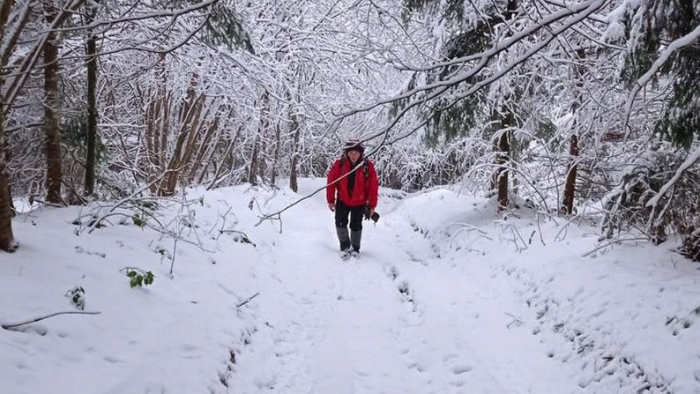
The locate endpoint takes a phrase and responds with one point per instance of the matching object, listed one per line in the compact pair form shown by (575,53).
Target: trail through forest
(395,319)
(447,296)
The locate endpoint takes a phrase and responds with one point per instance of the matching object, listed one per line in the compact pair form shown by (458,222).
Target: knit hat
(353,144)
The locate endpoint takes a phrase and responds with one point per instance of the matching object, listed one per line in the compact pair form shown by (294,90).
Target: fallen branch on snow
(11,326)
(248,300)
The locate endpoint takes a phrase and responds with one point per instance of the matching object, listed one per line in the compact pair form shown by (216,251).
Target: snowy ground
(446,297)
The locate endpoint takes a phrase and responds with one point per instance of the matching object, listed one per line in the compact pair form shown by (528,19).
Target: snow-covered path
(386,323)
(447,297)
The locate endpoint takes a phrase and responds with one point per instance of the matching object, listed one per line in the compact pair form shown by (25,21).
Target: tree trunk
(188,130)
(90,161)
(7,239)
(570,186)
(52,111)
(157,120)
(502,171)
(500,181)
(207,146)
(227,160)
(295,153)
(276,154)
(572,168)
(255,165)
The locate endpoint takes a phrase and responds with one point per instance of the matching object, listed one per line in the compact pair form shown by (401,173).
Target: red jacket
(364,192)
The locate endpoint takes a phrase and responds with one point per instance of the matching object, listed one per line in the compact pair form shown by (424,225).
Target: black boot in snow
(343,238)
(355,239)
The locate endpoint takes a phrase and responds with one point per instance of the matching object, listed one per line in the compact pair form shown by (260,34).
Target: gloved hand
(370,214)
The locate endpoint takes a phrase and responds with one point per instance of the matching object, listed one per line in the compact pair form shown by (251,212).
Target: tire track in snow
(603,361)
(439,358)
(476,316)
(437,316)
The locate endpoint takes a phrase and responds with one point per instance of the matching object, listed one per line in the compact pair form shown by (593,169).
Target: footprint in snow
(461,369)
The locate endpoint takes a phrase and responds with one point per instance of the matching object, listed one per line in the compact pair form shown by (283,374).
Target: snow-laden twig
(516,322)
(278,213)
(523,177)
(435,90)
(539,227)
(38,319)
(516,232)
(172,13)
(223,225)
(579,12)
(561,234)
(689,161)
(247,300)
(612,242)
(469,228)
(126,199)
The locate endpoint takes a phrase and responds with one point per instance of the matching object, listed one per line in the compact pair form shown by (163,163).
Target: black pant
(356,214)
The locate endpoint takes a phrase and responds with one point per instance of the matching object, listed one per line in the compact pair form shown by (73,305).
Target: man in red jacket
(352,191)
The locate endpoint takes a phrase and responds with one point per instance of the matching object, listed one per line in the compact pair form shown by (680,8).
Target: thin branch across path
(278,213)
(11,326)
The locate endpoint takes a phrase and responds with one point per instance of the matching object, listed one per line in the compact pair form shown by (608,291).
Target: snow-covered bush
(657,197)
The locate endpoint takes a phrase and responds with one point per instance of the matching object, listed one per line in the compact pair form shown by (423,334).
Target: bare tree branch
(15,325)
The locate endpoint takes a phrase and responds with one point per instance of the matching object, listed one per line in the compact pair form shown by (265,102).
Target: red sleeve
(373,186)
(333,174)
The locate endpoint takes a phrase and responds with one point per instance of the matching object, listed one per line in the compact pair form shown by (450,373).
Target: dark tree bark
(52,111)
(293,183)
(276,154)
(255,164)
(157,119)
(502,159)
(570,186)
(571,172)
(500,181)
(190,126)
(90,160)
(7,239)
(9,36)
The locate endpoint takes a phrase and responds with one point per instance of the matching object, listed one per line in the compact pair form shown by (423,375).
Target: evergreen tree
(657,24)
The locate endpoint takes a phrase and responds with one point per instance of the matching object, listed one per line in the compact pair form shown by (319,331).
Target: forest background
(559,106)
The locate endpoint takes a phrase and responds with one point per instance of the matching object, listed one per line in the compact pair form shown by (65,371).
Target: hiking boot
(343,238)
(355,239)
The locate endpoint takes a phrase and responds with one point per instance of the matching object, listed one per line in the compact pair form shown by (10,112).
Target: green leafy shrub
(138,277)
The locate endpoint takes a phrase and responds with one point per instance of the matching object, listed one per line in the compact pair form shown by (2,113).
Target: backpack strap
(365,169)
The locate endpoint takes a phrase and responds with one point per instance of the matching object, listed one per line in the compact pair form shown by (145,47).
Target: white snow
(446,297)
